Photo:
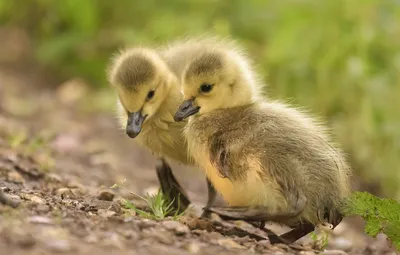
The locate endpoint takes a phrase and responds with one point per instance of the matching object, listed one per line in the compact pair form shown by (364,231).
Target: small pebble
(182,230)
(170,224)
(54,177)
(15,177)
(14,197)
(105,213)
(5,189)
(178,227)
(43,208)
(91,239)
(341,243)
(59,245)
(116,207)
(130,234)
(33,198)
(198,231)
(264,243)
(196,223)
(128,219)
(230,244)
(307,253)
(333,252)
(38,200)
(192,247)
(106,195)
(146,223)
(113,240)
(40,220)
(78,192)
(161,235)
(65,193)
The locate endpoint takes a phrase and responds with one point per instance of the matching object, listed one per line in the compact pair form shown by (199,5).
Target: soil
(59,155)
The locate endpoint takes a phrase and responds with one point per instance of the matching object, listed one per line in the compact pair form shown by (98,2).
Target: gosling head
(142,80)
(214,80)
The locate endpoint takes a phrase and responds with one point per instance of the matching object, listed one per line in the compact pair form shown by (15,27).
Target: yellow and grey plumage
(268,160)
(134,73)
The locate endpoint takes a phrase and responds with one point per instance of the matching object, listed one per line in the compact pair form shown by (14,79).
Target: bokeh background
(339,58)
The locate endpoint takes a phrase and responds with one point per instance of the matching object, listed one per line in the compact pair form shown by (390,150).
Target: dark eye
(205,88)
(150,95)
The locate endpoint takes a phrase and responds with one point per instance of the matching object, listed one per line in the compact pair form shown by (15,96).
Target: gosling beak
(135,122)
(185,110)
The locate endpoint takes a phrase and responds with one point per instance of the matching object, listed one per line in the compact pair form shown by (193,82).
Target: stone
(33,198)
(192,247)
(161,235)
(91,239)
(65,193)
(230,244)
(112,239)
(40,220)
(43,208)
(59,245)
(38,200)
(15,177)
(177,227)
(106,195)
(105,213)
(333,252)
(341,243)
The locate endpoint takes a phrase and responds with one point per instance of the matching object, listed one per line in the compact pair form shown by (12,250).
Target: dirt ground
(58,158)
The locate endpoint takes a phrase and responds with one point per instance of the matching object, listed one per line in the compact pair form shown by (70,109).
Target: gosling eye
(205,88)
(150,95)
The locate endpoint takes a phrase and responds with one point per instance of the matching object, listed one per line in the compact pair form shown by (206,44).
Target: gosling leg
(298,232)
(212,194)
(171,187)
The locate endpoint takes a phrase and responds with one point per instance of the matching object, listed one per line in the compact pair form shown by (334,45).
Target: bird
(147,97)
(148,90)
(269,161)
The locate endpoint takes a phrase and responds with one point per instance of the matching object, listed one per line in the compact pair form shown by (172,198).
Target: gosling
(270,162)
(148,95)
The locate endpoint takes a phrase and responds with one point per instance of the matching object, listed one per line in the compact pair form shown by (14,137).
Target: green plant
(16,139)
(159,205)
(382,215)
(36,146)
(320,241)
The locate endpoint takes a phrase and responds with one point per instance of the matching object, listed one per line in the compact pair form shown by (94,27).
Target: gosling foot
(255,215)
(171,187)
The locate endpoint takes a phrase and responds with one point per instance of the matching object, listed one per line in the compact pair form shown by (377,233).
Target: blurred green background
(339,58)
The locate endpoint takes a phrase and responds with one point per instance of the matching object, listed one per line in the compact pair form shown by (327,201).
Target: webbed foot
(171,187)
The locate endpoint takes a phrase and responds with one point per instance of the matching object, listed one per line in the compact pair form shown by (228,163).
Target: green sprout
(320,240)
(159,204)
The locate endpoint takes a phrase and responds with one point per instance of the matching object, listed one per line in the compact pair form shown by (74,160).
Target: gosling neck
(172,100)
(243,93)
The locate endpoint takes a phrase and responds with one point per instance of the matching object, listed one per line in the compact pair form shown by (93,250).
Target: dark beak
(185,110)
(135,122)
